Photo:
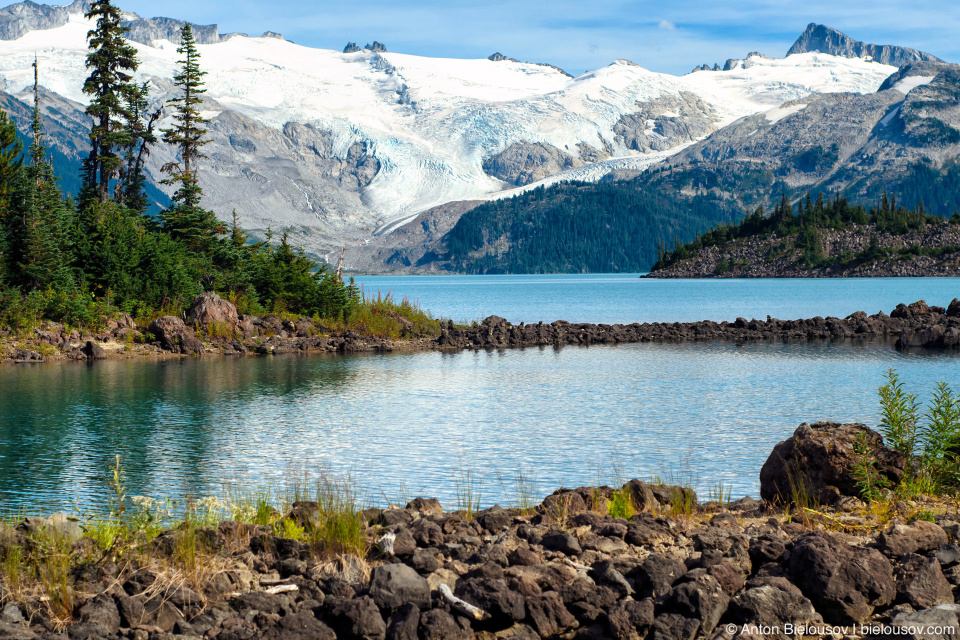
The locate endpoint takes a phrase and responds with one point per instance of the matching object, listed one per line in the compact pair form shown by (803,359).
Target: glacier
(425,124)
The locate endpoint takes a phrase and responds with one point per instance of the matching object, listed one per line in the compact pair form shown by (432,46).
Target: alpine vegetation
(73,261)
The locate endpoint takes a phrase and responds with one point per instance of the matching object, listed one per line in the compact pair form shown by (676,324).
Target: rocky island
(823,239)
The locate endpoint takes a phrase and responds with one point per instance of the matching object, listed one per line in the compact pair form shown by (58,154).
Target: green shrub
(930,439)
(620,505)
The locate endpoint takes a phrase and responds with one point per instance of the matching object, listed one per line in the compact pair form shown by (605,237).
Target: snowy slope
(429,122)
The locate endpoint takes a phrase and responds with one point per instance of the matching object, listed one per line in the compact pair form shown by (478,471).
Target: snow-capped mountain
(338,146)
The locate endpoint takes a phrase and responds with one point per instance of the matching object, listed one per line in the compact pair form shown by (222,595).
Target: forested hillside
(577,227)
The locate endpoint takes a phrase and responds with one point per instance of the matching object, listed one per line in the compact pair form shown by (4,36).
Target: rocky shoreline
(568,568)
(224,332)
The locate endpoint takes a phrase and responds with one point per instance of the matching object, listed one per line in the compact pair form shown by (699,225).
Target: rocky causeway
(916,325)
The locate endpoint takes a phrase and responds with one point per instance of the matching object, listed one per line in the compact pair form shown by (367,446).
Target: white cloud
(666,25)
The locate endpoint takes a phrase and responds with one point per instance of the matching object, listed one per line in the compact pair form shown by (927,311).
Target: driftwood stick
(282,588)
(385,543)
(461,604)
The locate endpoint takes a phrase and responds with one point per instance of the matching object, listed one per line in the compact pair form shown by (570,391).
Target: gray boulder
(700,597)
(209,310)
(921,584)
(394,585)
(936,623)
(767,605)
(902,539)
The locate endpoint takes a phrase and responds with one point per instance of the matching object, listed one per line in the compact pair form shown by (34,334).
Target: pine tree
(40,215)
(186,219)
(139,127)
(11,162)
(112,61)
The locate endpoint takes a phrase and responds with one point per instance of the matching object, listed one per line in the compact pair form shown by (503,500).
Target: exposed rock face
(499,57)
(665,122)
(352,48)
(817,37)
(856,144)
(522,162)
(818,462)
(23,17)
(209,308)
(175,336)
(410,245)
(146,30)
(376,47)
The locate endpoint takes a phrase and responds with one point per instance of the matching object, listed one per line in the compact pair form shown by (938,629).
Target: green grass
(469,489)
(620,505)
(720,493)
(381,316)
(522,486)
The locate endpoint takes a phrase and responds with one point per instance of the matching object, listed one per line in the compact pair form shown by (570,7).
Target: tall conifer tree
(139,127)
(11,154)
(112,61)
(41,214)
(186,219)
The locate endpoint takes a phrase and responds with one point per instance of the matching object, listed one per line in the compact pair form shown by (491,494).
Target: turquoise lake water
(411,424)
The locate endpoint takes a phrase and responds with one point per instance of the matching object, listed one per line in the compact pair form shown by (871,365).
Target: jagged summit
(817,37)
(21,18)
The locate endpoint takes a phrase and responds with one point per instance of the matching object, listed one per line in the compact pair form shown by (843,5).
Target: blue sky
(578,35)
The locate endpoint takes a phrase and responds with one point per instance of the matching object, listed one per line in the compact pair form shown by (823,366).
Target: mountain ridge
(818,37)
(341,149)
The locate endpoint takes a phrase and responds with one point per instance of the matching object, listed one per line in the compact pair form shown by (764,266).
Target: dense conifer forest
(578,227)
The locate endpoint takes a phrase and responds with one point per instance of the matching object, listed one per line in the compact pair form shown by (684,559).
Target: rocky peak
(376,47)
(23,17)
(817,37)
(352,48)
(146,30)
(499,57)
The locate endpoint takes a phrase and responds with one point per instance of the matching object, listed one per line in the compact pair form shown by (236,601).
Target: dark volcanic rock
(354,619)
(768,605)
(631,619)
(819,460)
(845,583)
(919,537)
(920,583)
(175,336)
(93,351)
(700,597)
